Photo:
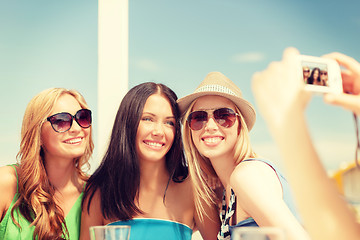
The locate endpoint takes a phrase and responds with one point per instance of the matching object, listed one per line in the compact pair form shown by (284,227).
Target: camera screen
(315,73)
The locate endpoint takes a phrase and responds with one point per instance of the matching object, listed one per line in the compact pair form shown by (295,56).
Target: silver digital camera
(320,75)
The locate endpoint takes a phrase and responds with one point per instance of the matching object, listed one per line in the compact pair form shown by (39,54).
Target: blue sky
(54,44)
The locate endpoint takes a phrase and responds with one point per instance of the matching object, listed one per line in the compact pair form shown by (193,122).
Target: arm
(259,195)
(7,188)
(282,100)
(209,226)
(92,218)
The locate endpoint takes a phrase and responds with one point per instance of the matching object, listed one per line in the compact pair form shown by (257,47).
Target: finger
(349,84)
(344,60)
(350,102)
(290,53)
(347,81)
(291,66)
(256,82)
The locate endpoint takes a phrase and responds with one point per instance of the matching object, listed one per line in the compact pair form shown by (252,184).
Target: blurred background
(54,44)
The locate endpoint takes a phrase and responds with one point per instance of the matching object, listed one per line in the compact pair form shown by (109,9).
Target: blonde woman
(217,121)
(41,195)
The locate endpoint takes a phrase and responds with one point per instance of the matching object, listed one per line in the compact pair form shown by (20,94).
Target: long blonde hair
(200,167)
(36,194)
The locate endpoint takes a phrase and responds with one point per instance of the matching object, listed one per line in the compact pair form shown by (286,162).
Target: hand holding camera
(284,87)
(350,98)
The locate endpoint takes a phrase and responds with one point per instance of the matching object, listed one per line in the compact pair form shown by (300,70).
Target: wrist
(287,122)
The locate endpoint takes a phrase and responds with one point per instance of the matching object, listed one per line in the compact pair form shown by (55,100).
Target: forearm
(324,212)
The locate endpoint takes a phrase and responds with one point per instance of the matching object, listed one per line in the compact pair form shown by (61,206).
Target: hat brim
(246,109)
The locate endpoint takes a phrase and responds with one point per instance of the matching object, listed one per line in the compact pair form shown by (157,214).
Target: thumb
(347,101)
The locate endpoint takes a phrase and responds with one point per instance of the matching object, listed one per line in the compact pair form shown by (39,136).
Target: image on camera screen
(315,73)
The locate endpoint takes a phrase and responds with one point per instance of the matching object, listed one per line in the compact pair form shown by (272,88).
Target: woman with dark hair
(314,77)
(142,179)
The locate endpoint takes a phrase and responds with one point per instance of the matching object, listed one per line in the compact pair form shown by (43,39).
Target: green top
(9,231)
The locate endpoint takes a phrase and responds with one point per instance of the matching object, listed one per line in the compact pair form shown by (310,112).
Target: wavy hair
(36,200)
(118,176)
(200,167)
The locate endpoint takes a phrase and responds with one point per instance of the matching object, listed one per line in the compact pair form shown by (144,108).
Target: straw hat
(215,83)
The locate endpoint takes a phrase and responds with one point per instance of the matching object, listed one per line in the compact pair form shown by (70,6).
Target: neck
(62,174)
(153,176)
(224,166)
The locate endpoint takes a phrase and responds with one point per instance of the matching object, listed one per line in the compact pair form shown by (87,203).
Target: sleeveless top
(154,229)
(9,230)
(225,215)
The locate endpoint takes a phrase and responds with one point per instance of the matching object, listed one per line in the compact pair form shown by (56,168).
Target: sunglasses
(225,117)
(62,122)
(306,70)
(323,73)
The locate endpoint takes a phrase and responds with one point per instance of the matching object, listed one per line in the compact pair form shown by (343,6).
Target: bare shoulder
(253,170)
(92,203)
(252,175)
(184,186)
(91,215)
(8,180)
(8,183)
(182,193)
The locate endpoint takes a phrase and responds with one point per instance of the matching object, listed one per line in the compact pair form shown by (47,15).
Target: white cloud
(249,57)
(148,65)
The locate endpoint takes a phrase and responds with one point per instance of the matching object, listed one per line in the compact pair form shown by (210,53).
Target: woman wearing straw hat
(216,122)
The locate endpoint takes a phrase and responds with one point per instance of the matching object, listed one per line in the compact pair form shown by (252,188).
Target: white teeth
(73,141)
(212,140)
(154,144)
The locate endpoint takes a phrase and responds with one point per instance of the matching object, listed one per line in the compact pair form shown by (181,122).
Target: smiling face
(214,141)
(66,145)
(156,130)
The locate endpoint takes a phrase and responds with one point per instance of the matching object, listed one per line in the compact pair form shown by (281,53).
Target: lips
(74,140)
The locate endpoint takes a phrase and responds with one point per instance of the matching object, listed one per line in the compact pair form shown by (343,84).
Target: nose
(75,127)
(211,124)
(158,129)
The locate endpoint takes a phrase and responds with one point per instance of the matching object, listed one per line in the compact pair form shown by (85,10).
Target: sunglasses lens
(61,122)
(83,118)
(197,119)
(225,117)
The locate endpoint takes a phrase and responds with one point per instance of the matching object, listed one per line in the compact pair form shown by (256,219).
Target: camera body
(320,75)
